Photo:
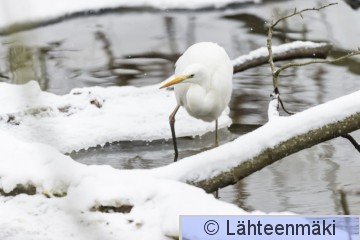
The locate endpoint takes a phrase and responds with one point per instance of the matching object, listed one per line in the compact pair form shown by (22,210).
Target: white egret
(202,84)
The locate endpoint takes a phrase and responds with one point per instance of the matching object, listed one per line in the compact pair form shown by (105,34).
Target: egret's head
(194,73)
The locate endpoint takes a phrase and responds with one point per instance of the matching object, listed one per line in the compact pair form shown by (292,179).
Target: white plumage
(208,92)
(203,82)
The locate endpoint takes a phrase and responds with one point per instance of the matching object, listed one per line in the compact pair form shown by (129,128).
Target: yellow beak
(174,81)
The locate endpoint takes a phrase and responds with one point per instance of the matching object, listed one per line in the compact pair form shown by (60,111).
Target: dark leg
(216,134)
(172,126)
(216,145)
(216,194)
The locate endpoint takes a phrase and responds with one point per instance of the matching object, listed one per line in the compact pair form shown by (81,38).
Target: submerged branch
(344,203)
(343,198)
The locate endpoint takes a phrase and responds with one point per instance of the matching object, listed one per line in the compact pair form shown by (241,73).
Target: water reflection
(118,73)
(106,50)
(26,63)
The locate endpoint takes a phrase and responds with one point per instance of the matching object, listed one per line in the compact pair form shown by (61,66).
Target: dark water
(140,47)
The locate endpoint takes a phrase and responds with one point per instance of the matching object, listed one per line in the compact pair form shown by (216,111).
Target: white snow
(37,127)
(156,195)
(157,203)
(273,110)
(283,48)
(71,122)
(210,163)
(24,11)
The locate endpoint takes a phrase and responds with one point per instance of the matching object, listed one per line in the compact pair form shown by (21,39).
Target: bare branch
(283,107)
(289,65)
(352,140)
(299,13)
(269,47)
(275,73)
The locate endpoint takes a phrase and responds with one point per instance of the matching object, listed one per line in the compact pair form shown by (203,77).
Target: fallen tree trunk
(283,149)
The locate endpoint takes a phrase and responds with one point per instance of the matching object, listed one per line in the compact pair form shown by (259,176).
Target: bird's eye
(191,75)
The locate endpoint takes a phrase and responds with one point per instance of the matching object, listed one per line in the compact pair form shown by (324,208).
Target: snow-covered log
(280,137)
(288,51)
(140,206)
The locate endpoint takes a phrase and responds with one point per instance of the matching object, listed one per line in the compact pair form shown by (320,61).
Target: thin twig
(352,140)
(269,38)
(289,65)
(283,107)
(299,13)
(276,72)
(269,47)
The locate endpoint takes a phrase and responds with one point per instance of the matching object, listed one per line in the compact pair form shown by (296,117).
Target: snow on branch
(287,51)
(278,152)
(283,136)
(273,109)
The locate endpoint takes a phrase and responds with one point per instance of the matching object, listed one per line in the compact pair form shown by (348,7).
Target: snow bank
(156,203)
(42,10)
(93,116)
(153,199)
(151,206)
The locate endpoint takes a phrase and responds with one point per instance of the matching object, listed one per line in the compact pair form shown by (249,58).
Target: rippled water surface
(139,48)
